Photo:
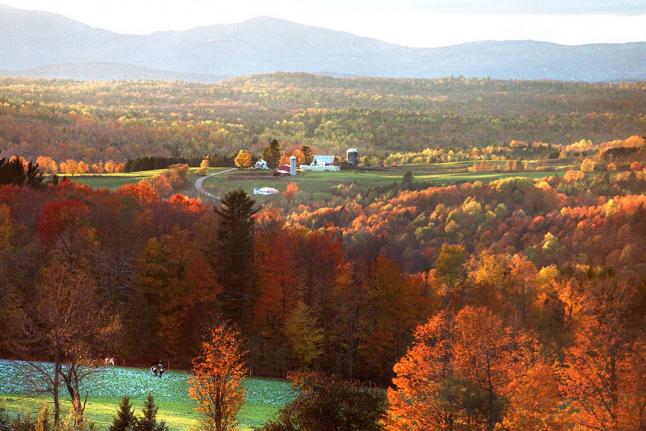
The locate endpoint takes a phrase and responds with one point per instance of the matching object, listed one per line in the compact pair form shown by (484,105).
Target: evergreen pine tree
(408,180)
(12,171)
(236,234)
(34,176)
(125,419)
(148,422)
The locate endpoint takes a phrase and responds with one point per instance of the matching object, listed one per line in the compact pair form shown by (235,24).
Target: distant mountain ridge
(40,44)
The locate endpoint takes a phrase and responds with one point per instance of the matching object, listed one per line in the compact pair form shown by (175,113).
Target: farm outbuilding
(265,191)
(352,157)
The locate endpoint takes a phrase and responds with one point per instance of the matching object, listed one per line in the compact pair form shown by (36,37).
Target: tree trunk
(57,380)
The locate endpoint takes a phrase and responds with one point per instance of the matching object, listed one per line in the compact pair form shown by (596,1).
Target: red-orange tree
(216,383)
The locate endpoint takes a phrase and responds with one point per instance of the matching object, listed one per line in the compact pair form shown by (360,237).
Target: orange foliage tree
(216,383)
(604,369)
(464,372)
(290,192)
(421,395)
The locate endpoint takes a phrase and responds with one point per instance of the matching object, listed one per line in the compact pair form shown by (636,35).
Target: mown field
(319,185)
(264,396)
(114,181)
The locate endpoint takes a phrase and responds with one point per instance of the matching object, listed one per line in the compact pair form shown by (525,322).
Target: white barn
(322,163)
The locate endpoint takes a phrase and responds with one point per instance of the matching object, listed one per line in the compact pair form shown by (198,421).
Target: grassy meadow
(316,185)
(263,399)
(319,185)
(114,181)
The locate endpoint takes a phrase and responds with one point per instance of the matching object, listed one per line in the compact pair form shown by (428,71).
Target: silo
(292,166)
(352,156)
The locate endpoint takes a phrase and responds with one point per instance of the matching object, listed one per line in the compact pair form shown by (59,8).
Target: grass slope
(114,181)
(315,185)
(263,399)
(318,185)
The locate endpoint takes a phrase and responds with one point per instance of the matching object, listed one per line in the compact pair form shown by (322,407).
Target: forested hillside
(548,274)
(123,120)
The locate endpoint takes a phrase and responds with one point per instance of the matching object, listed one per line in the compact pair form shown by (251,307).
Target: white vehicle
(265,191)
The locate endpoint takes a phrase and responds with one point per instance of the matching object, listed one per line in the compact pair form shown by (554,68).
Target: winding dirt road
(199,184)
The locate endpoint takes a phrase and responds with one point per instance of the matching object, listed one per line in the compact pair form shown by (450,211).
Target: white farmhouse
(261,164)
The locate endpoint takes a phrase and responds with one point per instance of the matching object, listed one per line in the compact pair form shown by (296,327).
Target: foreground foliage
(533,293)
(330,403)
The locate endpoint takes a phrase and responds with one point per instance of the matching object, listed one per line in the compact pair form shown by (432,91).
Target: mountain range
(47,45)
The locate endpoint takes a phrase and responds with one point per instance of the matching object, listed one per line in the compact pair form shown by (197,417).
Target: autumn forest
(517,303)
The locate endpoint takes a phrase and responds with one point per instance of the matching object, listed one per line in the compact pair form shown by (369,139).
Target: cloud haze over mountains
(585,7)
(40,44)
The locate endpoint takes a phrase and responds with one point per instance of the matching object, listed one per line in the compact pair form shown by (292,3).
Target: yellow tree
(305,335)
(243,159)
(82,168)
(216,383)
(204,167)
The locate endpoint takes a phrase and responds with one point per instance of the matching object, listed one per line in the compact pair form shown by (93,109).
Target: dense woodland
(116,121)
(509,305)
(515,304)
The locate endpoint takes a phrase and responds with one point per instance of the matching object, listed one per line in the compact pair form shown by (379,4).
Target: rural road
(199,184)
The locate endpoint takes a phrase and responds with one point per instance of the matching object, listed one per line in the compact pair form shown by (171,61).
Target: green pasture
(264,397)
(114,181)
(319,185)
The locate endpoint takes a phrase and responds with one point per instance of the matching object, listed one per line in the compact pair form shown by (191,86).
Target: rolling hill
(40,44)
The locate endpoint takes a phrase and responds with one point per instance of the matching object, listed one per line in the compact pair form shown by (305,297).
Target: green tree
(125,419)
(236,235)
(148,422)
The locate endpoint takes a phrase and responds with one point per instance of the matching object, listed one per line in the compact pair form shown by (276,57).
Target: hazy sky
(407,22)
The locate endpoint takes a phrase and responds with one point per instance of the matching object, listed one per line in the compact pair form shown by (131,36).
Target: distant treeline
(120,121)
(153,163)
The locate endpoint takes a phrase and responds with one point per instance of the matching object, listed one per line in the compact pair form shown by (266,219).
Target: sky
(419,23)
